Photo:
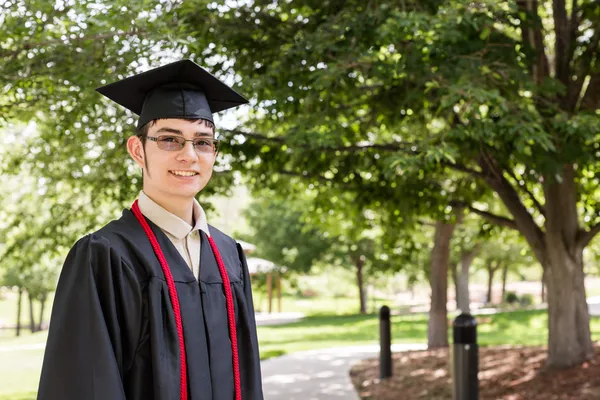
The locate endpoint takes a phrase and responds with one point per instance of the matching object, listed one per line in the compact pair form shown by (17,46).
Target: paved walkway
(318,374)
(278,318)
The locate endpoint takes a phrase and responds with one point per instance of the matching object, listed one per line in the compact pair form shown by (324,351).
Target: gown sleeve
(94,325)
(253,382)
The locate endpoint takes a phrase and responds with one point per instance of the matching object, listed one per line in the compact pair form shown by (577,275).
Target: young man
(157,305)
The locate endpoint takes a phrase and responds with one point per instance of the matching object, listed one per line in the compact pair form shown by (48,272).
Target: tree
(63,150)
(466,247)
(437,332)
(12,278)
(284,234)
(295,231)
(504,250)
(462,86)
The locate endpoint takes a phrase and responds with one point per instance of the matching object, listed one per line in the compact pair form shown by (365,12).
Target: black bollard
(465,358)
(385,343)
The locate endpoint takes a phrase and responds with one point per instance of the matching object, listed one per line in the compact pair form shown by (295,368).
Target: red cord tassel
(183,395)
(177,311)
(231,320)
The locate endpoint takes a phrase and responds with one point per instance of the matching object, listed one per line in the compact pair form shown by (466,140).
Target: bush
(511,297)
(526,300)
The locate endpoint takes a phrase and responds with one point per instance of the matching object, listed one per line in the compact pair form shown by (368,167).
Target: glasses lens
(170,143)
(205,145)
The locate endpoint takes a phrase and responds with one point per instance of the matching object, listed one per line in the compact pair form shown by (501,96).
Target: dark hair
(143,131)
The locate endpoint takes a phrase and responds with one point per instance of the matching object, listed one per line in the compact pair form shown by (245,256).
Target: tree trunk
(360,262)
(543,286)
(559,249)
(42,306)
(491,270)
(437,327)
(31,315)
(569,337)
(504,277)
(19,302)
(371,290)
(463,299)
(454,274)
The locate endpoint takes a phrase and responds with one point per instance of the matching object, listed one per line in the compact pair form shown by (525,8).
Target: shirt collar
(170,222)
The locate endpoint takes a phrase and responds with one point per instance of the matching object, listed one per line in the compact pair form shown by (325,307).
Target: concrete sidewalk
(318,374)
(263,319)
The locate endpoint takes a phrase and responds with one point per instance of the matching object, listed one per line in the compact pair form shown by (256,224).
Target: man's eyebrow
(169,130)
(165,129)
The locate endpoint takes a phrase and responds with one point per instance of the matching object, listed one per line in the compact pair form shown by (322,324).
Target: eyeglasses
(176,143)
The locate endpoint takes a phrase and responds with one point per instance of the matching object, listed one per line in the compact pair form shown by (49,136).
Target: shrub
(526,299)
(511,297)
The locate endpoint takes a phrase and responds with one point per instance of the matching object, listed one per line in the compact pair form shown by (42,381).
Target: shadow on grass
(520,327)
(319,331)
(266,354)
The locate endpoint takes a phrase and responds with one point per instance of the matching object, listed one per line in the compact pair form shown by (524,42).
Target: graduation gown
(112,332)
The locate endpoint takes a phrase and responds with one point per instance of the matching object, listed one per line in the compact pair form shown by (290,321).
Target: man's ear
(136,150)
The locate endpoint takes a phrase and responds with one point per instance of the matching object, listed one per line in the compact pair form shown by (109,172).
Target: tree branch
(585,237)
(405,147)
(493,175)
(575,87)
(591,98)
(561,42)
(464,168)
(573,28)
(308,176)
(523,187)
(30,45)
(495,219)
(532,36)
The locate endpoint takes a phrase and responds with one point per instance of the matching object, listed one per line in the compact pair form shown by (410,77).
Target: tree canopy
(359,93)
(412,108)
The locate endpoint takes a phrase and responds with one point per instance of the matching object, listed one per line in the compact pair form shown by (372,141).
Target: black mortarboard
(181,89)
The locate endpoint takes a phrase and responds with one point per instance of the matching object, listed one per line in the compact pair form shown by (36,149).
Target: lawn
(512,328)
(8,313)
(314,306)
(19,369)
(19,374)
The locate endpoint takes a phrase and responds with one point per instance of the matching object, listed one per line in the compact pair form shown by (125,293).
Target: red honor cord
(177,311)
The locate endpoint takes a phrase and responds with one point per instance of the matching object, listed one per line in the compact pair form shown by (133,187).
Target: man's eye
(168,139)
(203,143)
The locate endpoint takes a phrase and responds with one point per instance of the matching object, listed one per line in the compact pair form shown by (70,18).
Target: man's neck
(181,207)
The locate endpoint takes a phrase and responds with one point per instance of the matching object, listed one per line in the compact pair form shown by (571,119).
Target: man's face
(182,172)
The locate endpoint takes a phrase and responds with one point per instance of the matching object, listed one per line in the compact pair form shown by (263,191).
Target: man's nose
(188,152)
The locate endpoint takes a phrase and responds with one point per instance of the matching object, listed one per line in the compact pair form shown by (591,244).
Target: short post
(385,343)
(465,358)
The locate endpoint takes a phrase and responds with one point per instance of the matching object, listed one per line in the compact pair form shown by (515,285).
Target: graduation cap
(181,89)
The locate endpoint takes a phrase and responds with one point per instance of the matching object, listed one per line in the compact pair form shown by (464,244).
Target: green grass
(19,369)
(312,306)
(9,338)
(512,328)
(8,309)
(19,374)
(27,395)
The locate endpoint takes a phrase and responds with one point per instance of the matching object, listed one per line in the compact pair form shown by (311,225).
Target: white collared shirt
(184,237)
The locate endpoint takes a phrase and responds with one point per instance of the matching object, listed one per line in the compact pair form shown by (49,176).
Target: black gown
(112,332)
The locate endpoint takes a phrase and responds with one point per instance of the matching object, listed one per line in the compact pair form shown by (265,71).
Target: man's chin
(188,192)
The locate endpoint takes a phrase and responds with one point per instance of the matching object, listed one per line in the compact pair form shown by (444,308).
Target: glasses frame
(178,139)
